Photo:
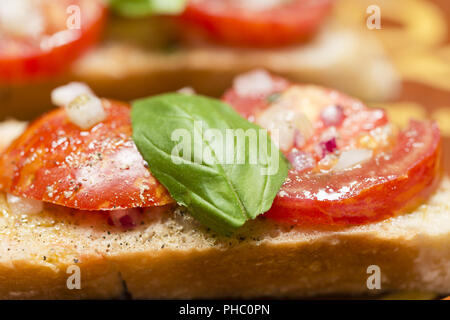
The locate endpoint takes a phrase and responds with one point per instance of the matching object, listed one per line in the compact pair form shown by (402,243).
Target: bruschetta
(204,47)
(92,187)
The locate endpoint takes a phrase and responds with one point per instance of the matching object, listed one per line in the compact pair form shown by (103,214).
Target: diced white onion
(286,121)
(303,125)
(329,133)
(253,84)
(351,158)
(20,206)
(299,139)
(307,99)
(64,95)
(59,39)
(332,115)
(86,111)
(126,218)
(258,4)
(278,121)
(21,18)
(301,160)
(10,130)
(187,91)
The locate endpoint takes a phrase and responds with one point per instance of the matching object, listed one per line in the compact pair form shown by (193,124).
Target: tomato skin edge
(356,196)
(427,175)
(44,65)
(262,30)
(98,180)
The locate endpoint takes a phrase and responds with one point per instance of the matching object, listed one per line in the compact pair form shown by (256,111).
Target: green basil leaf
(143,8)
(223,168)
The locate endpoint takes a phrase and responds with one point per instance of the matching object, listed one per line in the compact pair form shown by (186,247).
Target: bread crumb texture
(169,255)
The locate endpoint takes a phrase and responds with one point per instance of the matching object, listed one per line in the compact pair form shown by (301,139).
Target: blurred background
(416,37)
(404,66)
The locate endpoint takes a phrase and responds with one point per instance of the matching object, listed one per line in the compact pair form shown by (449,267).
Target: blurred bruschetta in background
(203,46)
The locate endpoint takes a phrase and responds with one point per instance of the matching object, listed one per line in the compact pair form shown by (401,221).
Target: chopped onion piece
(83,108)
(64,95)
(328,146)
(59,39)
(351,158)
(21,18)
(309,100)
(299,139)
(258,5)
(289,124)
(332,115)
(20,206)
(301,160)
(303,125)
(86,111)
(278,120)
(327,162)
(187,91)
(253,84)
(126,218)
(10,130)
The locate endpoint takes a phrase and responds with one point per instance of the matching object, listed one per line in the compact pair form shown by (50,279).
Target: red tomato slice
(283,24)
(395,179)
(27,57)
(377,190)
(99,169)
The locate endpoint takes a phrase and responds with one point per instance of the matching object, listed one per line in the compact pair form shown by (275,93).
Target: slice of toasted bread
(133,61)
(169,255)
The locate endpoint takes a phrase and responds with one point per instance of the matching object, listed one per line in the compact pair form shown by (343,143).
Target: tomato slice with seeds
(402,171)
(248,23)
(39,39)
(98,169)
(357,118)
(376,190)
